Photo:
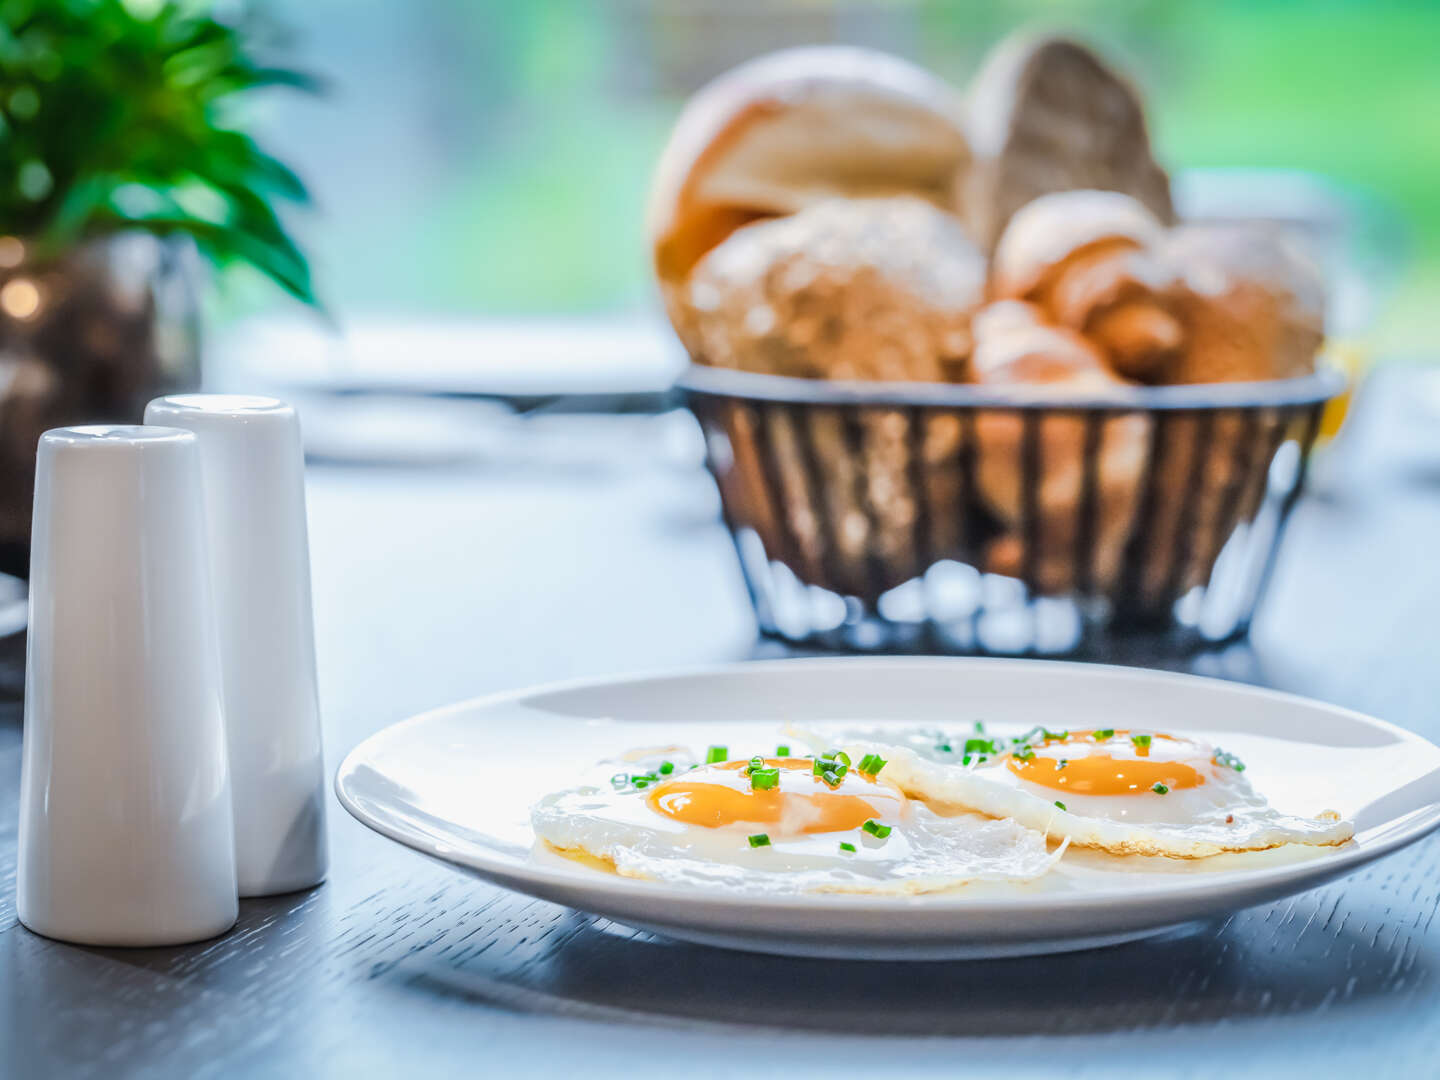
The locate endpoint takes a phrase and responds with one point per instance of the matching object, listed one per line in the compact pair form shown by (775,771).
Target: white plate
(457,784)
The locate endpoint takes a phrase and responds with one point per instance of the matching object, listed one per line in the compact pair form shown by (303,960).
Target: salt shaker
(260,567)
(126,832)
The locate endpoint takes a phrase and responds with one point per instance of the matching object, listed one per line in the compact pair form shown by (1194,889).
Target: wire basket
(916,516)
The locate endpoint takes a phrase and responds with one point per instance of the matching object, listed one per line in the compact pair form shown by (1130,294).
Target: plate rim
(624,891)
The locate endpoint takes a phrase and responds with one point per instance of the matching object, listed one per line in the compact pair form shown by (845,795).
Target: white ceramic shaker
(126,834)
(253,469)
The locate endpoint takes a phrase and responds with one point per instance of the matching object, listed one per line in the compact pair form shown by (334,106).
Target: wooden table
(589,545)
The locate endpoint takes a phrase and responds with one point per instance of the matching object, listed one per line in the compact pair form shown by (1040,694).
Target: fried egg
(783,825)
(1123,792)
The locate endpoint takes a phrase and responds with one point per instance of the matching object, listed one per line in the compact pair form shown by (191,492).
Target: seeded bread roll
(1047,114)
(793,129)
(875,289)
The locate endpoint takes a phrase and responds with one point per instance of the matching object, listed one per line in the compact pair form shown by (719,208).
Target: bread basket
(861,521)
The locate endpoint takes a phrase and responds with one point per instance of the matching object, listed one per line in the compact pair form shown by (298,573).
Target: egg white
(1224,814)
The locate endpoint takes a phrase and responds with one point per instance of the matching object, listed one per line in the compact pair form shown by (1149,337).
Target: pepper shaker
(253,470)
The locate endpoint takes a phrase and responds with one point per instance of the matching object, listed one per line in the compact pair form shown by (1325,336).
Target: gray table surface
(589,546)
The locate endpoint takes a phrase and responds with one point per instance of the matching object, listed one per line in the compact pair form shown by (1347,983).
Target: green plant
(117,114)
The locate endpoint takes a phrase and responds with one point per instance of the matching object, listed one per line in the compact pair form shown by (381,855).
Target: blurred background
(491,159)
(422,221)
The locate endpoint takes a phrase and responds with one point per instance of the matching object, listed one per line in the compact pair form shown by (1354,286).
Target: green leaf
(283,266)
(239,76)
(233,159)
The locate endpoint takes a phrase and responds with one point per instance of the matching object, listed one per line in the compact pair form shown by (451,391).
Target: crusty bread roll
(1014,347)
(878,289)
(1251,307)
(1046,114)
(1088,259)
(874,289)
(793,129)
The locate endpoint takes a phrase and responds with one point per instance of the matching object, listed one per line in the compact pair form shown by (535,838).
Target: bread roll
(1046,114)
(1088,259)
(878,289)
(1251,307)
(1015,348)
(793,129)
(874,289)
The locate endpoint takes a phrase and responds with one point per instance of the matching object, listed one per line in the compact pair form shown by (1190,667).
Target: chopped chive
(1060,804)
(1061,764)
(782,751)
(944,748)
(832,767)
(760,839)
(1228,760)
(875,829)
(1022,754)
(641,782)
(965,760)
(979,727)
(846,847)
(1057,736)
(666,768)
(871,764)
(1104,733)
(1160,789)
(1140,741)
(764,779)
(979,746)
(716,754)
(619,780)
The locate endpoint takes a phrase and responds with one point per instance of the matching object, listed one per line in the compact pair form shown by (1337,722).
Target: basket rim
(701,380)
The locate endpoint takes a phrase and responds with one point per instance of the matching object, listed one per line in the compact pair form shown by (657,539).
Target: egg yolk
(721,794)
(1083,764)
